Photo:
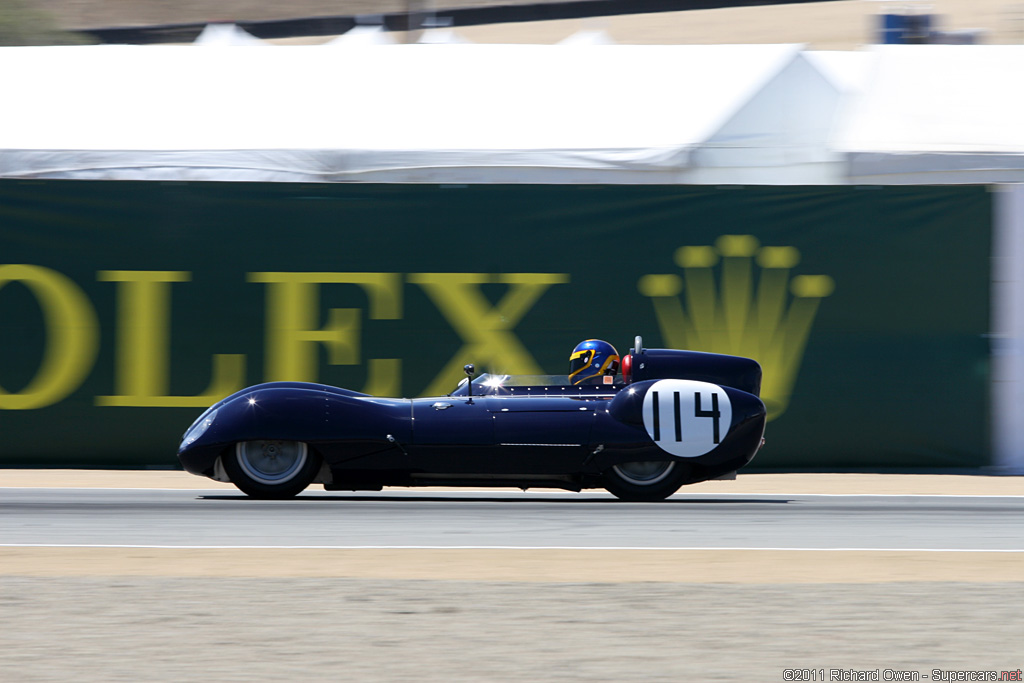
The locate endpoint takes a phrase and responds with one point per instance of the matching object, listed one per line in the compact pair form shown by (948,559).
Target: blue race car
(671,418)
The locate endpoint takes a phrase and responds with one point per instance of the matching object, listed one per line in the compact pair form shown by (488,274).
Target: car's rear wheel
(271,468)
(646,480)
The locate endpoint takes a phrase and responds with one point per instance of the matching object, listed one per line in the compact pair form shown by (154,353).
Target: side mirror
(469,369)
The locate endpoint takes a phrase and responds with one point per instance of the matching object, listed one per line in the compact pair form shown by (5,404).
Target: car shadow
(561,500)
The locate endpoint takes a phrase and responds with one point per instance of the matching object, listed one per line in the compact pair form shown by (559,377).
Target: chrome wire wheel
(644,473)
(271,462)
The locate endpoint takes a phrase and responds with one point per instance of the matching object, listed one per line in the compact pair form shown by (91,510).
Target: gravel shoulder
(167,629)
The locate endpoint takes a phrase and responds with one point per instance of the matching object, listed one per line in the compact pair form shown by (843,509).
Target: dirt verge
(889,484)
(524,565)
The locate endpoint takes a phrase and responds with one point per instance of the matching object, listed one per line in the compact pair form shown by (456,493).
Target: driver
(593,360)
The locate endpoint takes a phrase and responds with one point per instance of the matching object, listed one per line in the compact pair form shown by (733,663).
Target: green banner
(126,307)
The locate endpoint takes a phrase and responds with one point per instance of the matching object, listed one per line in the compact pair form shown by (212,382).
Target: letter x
(486,330)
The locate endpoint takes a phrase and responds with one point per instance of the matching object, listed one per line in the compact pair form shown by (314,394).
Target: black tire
(645,481)
(271,468)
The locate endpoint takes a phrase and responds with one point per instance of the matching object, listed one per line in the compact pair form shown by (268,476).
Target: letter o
(72,336)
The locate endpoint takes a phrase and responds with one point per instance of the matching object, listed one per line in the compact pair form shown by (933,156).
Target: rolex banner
(127,307)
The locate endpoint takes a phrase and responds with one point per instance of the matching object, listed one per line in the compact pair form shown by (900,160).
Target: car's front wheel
(645,481)
(271,468)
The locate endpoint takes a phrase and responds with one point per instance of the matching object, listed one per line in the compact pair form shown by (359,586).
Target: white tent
(513,113)
(588,36)
(937,114)
(442,36)
(392,113)
(363,35)
(225,34)
(781,134)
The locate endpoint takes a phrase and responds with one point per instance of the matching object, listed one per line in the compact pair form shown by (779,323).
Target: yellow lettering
(486,330)
(143,342)
(293,317)
(73,337)
(383,377)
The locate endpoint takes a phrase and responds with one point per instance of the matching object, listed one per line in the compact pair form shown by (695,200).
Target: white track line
(526,494)
(501,547)
(116,488)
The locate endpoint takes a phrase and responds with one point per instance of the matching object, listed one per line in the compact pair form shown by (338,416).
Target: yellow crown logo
(725,313)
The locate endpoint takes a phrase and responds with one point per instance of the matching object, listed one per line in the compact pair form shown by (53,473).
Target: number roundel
(687,418)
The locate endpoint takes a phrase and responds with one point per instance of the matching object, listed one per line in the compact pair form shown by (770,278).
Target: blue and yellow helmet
(592,358)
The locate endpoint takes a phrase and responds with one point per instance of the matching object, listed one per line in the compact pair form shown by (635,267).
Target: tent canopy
(464,113)
(435,113)
(781,134)
(937,114)
(225,34)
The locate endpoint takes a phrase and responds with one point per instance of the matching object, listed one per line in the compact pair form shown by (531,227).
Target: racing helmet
(592,358)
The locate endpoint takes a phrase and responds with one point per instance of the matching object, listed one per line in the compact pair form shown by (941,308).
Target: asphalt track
(218,518)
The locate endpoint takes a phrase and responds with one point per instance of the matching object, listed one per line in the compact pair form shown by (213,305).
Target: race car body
(673,418)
